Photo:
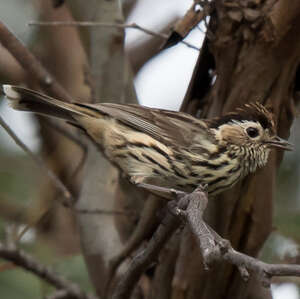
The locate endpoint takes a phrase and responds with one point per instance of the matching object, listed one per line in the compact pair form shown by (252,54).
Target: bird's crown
(253,112)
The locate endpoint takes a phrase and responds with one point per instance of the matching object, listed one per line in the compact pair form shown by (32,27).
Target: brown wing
(170,127)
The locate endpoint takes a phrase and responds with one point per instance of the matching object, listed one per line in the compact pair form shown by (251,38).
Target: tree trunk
(110,80)
(254,58)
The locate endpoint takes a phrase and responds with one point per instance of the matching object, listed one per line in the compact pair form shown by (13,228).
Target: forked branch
(37,159)
(114,25)
(31,65)
(216,249)
(189,208)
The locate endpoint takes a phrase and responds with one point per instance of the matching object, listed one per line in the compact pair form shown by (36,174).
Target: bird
(166,148)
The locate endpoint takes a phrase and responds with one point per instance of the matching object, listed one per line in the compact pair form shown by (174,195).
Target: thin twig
(115,25)
(31,65)
(60,294)
(105,212)
(66,133)
(74,138)
(147,223)
(56,181)
(27,262)
(144,259)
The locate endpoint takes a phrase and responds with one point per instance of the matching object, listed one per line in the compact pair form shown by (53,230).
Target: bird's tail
(28,100)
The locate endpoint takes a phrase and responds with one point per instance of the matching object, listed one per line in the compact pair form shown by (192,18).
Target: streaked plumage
(167,148)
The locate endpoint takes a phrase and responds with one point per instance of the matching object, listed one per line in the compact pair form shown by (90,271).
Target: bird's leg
(176,194)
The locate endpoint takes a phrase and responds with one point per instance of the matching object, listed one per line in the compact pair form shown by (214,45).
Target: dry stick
(69,135)
(105,212)
(64,132)
(56,181)
(60,294)
(144,259)
(37,72)
(264,270)
(31,65)
(193,213)
(224,246)
(27,262)
(146,224)
(115,25)
(190,208)
(138,237)
(68,203)
(216,249)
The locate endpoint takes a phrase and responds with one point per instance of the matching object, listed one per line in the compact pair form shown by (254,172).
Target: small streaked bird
(167,148)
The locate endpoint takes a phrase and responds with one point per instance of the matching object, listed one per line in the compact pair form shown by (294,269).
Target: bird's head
(252,126)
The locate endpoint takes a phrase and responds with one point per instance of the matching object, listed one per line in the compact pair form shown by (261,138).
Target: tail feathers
(28,100)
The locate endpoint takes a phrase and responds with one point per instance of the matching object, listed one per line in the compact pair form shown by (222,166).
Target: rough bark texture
(254,60)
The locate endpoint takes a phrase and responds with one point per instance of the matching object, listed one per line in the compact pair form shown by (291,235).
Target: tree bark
(254,60)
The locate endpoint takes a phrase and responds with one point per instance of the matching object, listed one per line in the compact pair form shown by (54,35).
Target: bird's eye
(252,132)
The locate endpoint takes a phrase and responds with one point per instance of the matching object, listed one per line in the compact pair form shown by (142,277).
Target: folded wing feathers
(172,128)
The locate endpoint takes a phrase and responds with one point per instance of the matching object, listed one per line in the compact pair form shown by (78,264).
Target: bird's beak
(278,142)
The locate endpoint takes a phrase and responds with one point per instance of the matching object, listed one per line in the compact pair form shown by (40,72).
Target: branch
(147,223)
(114,25)
(216,249)
(56,181)
(188,22)
(72,137)
(190,209)
(27,262)
(144,259)
(31,65)
(66,133)
(105,212)
(60,294)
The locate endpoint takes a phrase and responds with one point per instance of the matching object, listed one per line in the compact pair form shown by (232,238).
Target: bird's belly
(218,175)
(152,162)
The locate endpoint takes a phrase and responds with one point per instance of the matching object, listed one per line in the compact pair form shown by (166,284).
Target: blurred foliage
(283,244)
(287,205)
(17,284)
(17,184)
(19,177)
